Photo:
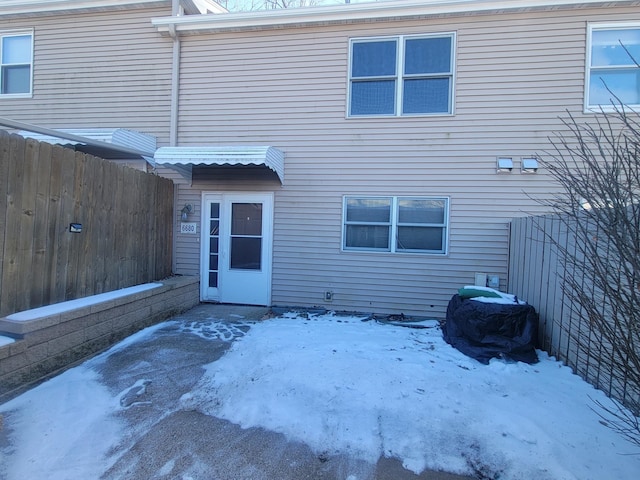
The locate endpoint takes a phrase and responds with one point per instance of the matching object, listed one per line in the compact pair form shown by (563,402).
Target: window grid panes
(396,224)
(15,63)
(368,223)
(404,75)
(613,76)
(214,244)
(421,225)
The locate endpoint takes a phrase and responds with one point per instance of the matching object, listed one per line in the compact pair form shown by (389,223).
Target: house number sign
(188,227)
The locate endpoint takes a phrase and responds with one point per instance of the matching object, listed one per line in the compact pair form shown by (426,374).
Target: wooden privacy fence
(538,274)
(125,217)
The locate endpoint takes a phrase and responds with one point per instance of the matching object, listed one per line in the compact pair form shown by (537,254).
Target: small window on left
(16,63)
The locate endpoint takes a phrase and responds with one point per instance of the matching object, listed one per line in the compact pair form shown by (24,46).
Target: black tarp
(487,330)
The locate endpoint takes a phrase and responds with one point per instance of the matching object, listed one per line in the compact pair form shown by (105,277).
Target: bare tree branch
(598,168)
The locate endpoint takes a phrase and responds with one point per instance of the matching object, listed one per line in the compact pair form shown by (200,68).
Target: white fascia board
(358,12)
(31,7)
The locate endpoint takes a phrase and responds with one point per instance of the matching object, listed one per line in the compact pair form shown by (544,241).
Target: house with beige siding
(363,157)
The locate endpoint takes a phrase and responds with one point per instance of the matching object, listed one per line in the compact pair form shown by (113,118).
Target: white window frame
(17,33)
(394,224)
(588,108)
(400,75)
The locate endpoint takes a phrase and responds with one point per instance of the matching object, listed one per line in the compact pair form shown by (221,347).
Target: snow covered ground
(343,385)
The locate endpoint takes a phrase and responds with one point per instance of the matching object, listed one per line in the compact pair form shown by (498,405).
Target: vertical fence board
(28,193)
(55,226)
(11,260)
(129,227)
(100,239)
(112,267)
(4,174)
(90,215)
(39,280)
(165,217)
(116,269)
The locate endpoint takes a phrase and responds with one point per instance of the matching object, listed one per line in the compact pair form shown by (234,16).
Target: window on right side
(613,75)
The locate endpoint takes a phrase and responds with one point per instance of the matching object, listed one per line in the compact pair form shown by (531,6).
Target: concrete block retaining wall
(50,338)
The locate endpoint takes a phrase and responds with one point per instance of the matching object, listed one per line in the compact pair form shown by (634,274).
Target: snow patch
(61,307)
(68,417)
(369,390)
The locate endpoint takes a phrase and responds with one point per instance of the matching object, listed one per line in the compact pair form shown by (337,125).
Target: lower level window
(396,224)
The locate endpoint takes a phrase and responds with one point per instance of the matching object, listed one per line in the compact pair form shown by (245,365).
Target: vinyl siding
(515,75)
(106,69)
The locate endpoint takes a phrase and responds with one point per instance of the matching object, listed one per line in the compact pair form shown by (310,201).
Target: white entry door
(236,248)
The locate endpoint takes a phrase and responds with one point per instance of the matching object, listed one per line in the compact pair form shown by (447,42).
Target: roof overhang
(359,12)
(182,159)
(109,143)
(40,7)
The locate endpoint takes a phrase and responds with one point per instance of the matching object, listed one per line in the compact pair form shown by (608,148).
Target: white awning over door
(182,159)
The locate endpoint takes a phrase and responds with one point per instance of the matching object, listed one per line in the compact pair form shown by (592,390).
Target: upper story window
(16,61)
(396,224)
(613,75)
(403,75)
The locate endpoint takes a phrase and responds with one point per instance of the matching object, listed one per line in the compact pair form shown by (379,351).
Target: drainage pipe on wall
(173,116)
(175,77)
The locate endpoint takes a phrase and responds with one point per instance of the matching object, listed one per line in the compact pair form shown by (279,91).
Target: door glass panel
(214,242)
(215,210)
(246,219)
(246,253)
(213,262)
(246,236)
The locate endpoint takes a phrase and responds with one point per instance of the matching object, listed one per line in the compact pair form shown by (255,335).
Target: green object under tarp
(467,292)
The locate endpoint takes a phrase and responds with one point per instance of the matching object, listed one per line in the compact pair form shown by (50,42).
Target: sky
(345,385)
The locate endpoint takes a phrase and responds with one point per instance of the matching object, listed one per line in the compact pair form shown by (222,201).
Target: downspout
(173,119)
(175,77)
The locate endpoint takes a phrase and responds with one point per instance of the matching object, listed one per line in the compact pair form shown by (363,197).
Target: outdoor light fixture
(504,165)
(186,210)
(529,165)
